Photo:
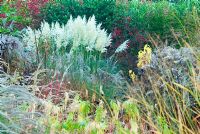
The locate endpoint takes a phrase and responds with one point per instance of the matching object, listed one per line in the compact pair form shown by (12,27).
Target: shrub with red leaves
(125,30)
(35,5)
(16,16)
(34,8)
(2,15)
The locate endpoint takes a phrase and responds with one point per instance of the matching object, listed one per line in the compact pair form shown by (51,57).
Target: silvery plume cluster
(75,33)
(173,63)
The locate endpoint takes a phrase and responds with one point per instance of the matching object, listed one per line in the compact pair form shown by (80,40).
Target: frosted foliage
(174,63)
(12,52)
(10,47)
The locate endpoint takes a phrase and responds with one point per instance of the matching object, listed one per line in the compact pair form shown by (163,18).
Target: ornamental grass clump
(76,50)
(18,106)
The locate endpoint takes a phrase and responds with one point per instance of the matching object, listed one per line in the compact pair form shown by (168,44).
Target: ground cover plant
(99,66)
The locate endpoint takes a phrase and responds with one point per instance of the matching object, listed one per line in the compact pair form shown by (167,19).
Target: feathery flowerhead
(30,38)
(45,29)
(122,47)
(58,34)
